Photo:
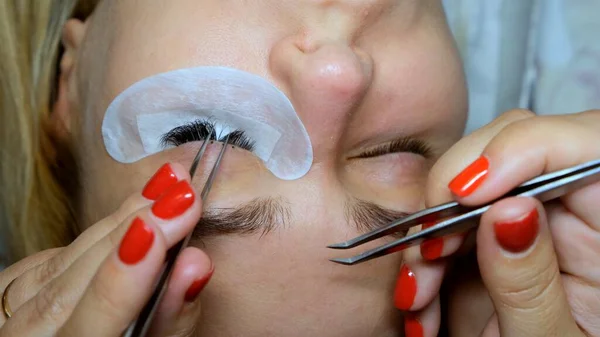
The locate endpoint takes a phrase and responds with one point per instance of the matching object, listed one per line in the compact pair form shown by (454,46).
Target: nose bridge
(323,69)
(339,21)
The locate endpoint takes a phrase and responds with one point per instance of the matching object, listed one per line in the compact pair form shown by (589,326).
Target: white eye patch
(140,116)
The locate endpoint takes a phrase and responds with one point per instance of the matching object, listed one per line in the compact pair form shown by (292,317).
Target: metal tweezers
(141,325)
(455,218)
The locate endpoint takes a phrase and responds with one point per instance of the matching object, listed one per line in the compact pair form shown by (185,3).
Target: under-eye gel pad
(140,116)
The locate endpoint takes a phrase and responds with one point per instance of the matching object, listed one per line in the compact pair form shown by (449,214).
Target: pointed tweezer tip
(342,245)
(347,244)
(346,262)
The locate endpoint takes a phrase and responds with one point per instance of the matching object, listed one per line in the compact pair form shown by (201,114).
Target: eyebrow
(367,216)
(258,216)
(264,215)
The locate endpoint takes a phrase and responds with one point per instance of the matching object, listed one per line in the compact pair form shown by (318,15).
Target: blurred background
(543,55)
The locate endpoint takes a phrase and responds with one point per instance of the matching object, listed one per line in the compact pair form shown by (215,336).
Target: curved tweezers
(454,218)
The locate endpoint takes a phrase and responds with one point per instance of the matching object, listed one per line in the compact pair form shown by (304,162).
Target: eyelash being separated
(199,129)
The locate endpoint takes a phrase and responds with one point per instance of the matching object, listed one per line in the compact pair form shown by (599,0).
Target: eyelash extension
(239,139)
(199,129)
(404,144)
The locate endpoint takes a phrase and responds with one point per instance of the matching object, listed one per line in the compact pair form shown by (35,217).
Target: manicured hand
(97,285)
(539,263)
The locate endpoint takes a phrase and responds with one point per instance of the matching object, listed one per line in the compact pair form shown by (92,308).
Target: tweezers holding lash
(141,325)
(454,218)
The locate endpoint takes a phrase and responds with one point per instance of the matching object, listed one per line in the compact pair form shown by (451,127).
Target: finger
(433,249)
(28,263)
(425,323)
(418,282)
(584,203)
(30,283)
(526,149)
(53,304)
(469,305)
(492,328)
(572,242)
(519,268)
(179,311)
(117,292)
(12,273)
(451,163)
(122,285)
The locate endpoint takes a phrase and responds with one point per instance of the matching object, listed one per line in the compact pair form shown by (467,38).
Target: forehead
(405,42)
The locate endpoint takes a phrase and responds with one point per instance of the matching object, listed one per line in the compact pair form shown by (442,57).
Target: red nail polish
(470,178)
(197,286)
(432,249)
(160,182)
(406,289)
(412,327)
(136,243)
(516,236)
(175,201)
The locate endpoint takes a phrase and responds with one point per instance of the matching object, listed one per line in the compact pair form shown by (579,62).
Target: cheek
(286,271)
(424,81)
(106,184)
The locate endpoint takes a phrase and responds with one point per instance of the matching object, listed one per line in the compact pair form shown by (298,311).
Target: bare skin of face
(361,74)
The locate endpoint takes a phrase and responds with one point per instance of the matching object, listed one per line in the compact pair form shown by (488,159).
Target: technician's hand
(97,285)
(539,263)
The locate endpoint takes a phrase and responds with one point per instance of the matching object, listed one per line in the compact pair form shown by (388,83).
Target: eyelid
(402,144)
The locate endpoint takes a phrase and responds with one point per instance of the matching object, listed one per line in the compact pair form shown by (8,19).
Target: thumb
(179,311)
(520,270)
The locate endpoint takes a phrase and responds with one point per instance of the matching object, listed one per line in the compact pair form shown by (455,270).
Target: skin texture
(359,74)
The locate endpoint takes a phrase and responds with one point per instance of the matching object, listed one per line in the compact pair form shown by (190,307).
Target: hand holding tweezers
(142,324)
(454,218)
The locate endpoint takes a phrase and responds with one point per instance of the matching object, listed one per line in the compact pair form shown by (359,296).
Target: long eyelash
(193,131)
(198,130)
(239,138)
(399,145)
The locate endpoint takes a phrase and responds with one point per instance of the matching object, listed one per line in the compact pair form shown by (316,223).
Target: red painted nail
(406,289)
(412,327)
(432,249)
(136,243)
(160,182)
(196,287)
(175,201)
(470,178)
(516,236)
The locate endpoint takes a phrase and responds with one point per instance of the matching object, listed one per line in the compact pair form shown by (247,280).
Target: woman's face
(360,73)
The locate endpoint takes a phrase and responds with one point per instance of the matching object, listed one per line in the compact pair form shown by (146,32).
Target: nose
(324,70)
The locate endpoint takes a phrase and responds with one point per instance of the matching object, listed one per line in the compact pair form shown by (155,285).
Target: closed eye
(403,144)
(199,129)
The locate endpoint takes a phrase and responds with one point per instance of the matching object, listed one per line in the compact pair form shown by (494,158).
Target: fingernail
(518,235)
(160,182)
(175,201)
(412,327)
(470,178)
(196,287)
(432,249)
(136,243)
(406,289)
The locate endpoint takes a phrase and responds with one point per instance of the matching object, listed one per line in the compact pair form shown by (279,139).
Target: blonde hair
(36,167)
